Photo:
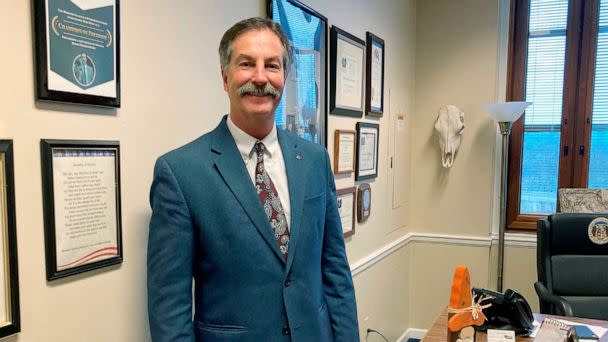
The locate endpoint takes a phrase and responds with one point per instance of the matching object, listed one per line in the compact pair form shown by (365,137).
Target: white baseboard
(412,333)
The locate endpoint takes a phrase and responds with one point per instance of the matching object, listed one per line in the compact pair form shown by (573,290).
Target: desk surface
(439,330)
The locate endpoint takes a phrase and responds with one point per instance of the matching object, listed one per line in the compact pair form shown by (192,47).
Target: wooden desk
(439,330)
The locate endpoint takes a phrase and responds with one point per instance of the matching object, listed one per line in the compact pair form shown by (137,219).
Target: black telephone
(509,311)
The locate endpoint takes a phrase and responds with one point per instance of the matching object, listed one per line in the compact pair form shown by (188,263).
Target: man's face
(256,58)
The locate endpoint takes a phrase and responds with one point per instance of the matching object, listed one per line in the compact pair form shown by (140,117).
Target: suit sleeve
(337,278)
(170,255)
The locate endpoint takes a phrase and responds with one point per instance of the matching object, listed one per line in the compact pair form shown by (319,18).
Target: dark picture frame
(11,322)
(347,77)
(374,83)
(82,206)
(303,108)
(345,197)
(368,141)
(364,202)
(77,52)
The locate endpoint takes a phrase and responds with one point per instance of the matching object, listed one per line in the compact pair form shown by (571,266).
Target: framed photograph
(346,208)
(374,84)
(78,51)
(344,151)
(367,150)
(364,202)
(10,321)
(347,73)
(303,108)
(81,193)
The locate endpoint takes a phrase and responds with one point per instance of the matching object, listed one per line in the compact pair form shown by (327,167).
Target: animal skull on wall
(449,127)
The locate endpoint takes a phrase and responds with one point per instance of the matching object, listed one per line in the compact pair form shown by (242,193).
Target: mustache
(267,89)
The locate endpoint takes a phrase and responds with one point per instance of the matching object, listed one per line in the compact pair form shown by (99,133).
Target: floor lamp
(504,114)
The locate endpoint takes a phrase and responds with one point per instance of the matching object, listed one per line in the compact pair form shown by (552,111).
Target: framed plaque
(347,73)
(364,202)
(374,84)
(10,321)
(367,150)
(78,51)
(346,208)
(82,222)
(303,108)
(344,151)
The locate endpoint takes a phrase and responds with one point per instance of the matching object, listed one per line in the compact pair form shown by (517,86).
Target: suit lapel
(230,165)
(296,176)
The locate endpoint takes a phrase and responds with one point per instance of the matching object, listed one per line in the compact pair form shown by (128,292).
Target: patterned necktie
(270,201)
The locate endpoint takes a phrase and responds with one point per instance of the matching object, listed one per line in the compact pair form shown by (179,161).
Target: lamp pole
(505,131)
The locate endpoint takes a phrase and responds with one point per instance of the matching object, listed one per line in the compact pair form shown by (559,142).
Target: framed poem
(367,151)
(374,83)
(303,107)
(346,208)
(82,212)
(10,321)
(344,151)
(364,202)
(78,51)
(347,73)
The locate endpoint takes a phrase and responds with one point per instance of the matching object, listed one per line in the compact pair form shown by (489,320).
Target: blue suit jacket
(208,224)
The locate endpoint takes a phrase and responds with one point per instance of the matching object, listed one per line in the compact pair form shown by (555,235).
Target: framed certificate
(81,188)
(347,73)
(344,151)
(303,107)
(10,322)
(367,151)
(346,208)
(78,51)
(374,89)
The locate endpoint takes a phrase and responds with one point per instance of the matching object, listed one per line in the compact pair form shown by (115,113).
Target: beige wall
(460,60)
(171,93)
(456,63)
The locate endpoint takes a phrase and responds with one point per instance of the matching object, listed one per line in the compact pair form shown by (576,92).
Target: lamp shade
(506,111)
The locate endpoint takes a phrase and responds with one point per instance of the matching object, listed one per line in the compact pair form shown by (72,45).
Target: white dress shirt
(273,161)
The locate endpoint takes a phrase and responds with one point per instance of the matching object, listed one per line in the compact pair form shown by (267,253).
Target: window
(558,61)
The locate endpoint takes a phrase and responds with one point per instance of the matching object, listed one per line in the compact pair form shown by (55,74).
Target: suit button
(286,330)
(287,282)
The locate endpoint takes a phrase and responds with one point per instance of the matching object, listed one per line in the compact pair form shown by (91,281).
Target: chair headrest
(571,234)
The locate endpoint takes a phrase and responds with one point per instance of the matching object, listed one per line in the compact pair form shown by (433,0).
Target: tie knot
(259,148)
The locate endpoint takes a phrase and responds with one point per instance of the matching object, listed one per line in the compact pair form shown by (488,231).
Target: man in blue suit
(249,212)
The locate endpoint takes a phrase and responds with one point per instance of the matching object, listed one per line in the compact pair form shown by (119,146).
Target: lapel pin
(298,157)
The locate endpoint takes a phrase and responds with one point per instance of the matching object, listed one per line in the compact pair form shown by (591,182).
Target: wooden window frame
(581,45)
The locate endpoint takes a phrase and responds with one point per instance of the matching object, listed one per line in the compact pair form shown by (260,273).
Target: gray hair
(256,23)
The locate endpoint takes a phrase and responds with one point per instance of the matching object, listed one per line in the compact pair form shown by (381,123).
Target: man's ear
(224,79)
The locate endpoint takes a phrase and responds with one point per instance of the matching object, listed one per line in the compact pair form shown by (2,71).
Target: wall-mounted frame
(78,51)
(364,202)
(346,208)
(82,221)
(303,108)
(374,89)
(347,74)
(368,139)
(344,151)
(10,321)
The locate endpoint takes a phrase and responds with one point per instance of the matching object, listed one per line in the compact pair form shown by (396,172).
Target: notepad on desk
(562,330)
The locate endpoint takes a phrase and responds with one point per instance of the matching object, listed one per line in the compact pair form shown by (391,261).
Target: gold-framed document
(346,208)
(344,151)
(81,188)
(10,322)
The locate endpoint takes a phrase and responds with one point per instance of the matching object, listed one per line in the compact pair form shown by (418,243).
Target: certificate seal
(83,69)
(598,231)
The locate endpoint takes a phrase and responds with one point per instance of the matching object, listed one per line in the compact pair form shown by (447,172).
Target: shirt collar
(245,142)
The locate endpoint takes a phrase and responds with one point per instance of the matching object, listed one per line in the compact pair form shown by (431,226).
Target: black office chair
(572,269)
